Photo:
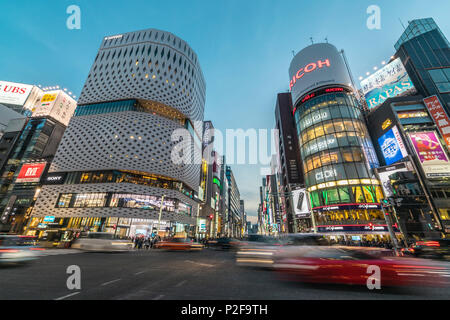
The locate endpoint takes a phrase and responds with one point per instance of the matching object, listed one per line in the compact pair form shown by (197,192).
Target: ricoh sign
(316,66)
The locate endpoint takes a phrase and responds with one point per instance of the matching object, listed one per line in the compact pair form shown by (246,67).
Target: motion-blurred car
(18,249)
(438,249)
(101,242)
(350,265)
(225,244)
(179,244)
(261,253)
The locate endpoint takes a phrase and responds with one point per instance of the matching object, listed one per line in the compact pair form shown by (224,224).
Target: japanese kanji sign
(440,117)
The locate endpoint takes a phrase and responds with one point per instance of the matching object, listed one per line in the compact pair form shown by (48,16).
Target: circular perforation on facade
(151,65)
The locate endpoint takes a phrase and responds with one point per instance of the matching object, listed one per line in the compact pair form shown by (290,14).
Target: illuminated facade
(336,151)
(115,160)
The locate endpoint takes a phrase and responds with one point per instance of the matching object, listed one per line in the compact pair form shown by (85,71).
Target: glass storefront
(337,153)
(121,200)
(116,176)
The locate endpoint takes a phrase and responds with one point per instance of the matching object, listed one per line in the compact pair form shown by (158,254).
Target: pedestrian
(147,243)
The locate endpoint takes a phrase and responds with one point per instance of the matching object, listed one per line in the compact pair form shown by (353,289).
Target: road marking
(159,297)
(200,264)
(69,295)
(181,283)
(138,273)
(109,282)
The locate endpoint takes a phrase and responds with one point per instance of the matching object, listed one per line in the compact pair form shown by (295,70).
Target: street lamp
(160,212)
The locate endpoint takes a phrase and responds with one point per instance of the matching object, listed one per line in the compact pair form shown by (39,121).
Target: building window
(64,200)
(441,78)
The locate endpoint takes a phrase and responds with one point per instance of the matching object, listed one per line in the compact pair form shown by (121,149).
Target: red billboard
(440,117)
(31,172)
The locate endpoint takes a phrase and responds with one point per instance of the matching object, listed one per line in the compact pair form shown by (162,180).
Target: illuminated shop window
(444,214)
(122,200)
(358,195)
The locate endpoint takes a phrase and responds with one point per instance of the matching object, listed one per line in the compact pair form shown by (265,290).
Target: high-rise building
(234,209)
(336,150)
(291,171)
(30,146)
(425,53)
(410,176)
(118,159)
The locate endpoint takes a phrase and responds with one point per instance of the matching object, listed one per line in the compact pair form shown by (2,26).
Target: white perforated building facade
(160,74)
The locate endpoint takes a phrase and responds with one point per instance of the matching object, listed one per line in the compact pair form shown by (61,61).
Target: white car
(17,249)
(102,242)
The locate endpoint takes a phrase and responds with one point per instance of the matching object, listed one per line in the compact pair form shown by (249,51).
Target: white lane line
(200,264)
(138,273)
(181,283)
(67,296)
(109,282)
(159,297)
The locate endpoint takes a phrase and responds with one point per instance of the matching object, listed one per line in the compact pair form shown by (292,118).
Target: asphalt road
(161,275)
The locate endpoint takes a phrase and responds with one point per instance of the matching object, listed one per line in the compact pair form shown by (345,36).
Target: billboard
(316,66)
(390,81)
(385,172)
(56,104)
(14,93)
(392,146)
(300,200)
(439,116)
(31,172)
(431,155)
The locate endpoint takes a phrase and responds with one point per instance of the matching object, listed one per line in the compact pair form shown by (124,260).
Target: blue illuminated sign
(390,147)
(49,219)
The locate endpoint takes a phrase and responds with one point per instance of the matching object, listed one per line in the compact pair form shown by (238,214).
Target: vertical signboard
(432,156)
(439,116)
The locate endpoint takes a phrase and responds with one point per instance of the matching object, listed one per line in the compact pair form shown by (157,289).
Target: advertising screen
(300,200)
(390,81)
(392,147)
(14,93)
(432,156)
(385,172)
(316,66)
(31,172)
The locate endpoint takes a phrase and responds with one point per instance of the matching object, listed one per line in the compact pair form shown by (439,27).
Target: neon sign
(307,69)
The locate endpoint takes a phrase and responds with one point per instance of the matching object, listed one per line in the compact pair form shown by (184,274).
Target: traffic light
(211,216)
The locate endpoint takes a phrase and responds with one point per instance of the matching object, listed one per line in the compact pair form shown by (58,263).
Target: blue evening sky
(244,47)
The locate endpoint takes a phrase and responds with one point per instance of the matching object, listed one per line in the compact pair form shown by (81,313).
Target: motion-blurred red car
(179,244)
(344,265)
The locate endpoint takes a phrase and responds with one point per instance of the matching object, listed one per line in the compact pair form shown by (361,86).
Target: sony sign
(316,66)
(55,178)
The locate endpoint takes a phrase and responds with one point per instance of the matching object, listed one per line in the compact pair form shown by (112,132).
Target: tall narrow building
(116,157)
